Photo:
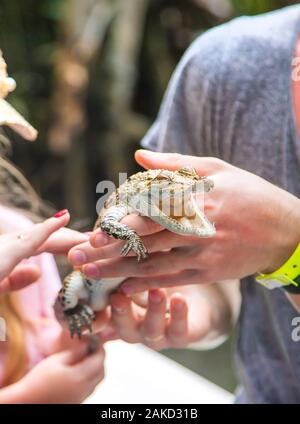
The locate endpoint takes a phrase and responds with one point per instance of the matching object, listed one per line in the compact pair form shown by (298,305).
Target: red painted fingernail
(60,213)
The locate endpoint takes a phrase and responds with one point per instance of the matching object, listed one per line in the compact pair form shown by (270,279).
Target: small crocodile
(168,198)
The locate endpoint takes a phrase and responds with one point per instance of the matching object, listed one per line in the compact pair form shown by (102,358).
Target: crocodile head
(175,200)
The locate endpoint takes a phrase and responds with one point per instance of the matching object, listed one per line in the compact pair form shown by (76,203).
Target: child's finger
(62,241)
(18,246)
(154,323)
(123,318)
(22,276)
(33,238)
(73,355)
(85,253)
(178,325)
(91,365)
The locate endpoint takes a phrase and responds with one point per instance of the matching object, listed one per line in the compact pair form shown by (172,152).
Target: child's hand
(65,377)
(60,242)
(188,319)
(14,247)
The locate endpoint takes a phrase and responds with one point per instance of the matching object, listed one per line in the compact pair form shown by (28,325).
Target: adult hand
(14,247)
(257,227)
(171,319)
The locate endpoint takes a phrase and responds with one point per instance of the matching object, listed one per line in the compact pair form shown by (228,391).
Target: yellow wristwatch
(287,276)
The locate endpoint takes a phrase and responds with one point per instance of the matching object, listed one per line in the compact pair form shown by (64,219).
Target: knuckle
(177,339)
(148,267)
(218,163)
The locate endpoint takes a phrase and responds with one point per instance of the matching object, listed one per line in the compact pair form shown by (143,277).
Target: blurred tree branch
(83,26)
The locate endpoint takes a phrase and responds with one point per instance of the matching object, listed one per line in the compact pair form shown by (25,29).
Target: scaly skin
(157,194)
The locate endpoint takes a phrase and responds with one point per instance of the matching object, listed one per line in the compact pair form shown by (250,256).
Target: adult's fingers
(15,247)
(177,330)
(156,264)
(23,275)
(163,240)
(185,277)
(124,319)
(142,225)
(172,161)
(108,334)
(153,326)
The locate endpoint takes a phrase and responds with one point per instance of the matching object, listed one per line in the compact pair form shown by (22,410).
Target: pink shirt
(35,301)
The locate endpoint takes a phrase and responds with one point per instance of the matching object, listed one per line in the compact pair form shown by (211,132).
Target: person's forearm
(224,302)
(295,300)
(286,231)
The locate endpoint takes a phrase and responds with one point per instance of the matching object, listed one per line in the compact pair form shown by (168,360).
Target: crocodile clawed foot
(137,246)
(79,317)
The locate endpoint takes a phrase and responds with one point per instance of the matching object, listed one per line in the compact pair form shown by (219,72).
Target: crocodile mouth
(188,216)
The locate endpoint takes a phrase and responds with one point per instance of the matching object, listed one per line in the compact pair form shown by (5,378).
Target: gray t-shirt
(231,97)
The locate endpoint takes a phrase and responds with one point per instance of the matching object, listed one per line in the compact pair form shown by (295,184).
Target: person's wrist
(287,236)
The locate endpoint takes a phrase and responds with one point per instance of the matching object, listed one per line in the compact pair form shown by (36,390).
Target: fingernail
(100,240)
(178,306)
(127,289)
(78,257)
(155,297)
(60,213)
(92,271)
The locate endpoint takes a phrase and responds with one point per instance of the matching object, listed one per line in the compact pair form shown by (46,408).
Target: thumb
(172,161)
